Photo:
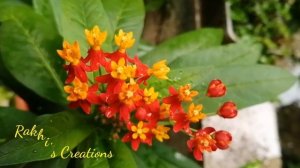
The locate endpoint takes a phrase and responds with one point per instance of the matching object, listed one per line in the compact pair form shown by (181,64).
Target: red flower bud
(141,114)
(228,110)
(216,88)
(223,139)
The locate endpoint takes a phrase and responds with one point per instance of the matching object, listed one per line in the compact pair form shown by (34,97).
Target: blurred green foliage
(271,22)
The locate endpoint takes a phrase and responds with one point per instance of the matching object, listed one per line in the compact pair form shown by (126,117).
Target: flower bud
(216,88)
(228,110)
(223,139)
(141,114)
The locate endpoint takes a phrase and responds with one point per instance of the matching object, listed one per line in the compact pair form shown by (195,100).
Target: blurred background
(272,23)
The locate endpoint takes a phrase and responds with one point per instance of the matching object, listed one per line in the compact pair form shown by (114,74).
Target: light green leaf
(246,84)
(127,15)
(28,48)
(74,16)
(62,129)
(242,53)
(184,44)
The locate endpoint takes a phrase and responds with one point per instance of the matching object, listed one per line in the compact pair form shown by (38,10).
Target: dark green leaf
(10,117)
(93,142)
(122,156)
(51,163)
(184,44)
(62,129)
(162,156)
(28,48)
(242,53)
(127,15)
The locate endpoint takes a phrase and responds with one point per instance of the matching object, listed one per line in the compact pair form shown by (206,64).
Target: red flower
(173,100)
(76,71)
(223,139)
(216,88)
(96,59)
(202,141)
(228,110)
(181,122)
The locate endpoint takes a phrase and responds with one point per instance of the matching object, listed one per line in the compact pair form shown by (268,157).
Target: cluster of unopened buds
(120,93)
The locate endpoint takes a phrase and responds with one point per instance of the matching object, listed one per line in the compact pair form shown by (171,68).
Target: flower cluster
(121,93)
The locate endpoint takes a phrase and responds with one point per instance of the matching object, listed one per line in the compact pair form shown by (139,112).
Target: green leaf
(63,129)
(242,53)
(44,8)
(127,15)
(10,117)
(51,163)
(246,84)
(184,44)
(93,142)
(122,156)
(162,156)
(74,16)
(11,8)
(28,48)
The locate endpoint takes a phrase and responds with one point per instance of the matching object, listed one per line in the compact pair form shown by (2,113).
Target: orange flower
(149,95)
(77,92)
(124,40)
(128,94)
(70,53)
(164,111)
(121,71)
(194,114)
(160,70)
(160,133)
(95,37)
(186,94)
(139,131)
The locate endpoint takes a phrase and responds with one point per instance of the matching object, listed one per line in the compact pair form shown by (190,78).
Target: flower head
(121,71)
(202,141)
(160,133)
(228,110)
(186,94)
(150,95)
(216,88)
(124,40)
(77,92)
(70,53)
(160,70)
(95,37)
(195,113)
(139,131)
(164,111)
(223,139)
(129,93)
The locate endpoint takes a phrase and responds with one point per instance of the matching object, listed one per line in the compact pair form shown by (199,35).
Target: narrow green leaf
(74,16)
(127,15)
(28,48)
(162,156)
(242,53)
(122,156)
(10,117)
(184,44)
(63,129)
(246,84)
(93,143)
